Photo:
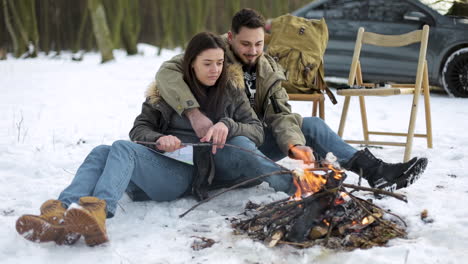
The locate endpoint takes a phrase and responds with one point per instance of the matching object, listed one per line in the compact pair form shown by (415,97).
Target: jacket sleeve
(243,120)
(146,126)
(285,125)
(171,85)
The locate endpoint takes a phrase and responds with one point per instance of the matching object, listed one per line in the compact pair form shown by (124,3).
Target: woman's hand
(168,143)
(218,133)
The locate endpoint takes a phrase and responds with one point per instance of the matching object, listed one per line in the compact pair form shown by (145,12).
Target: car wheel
(455,74)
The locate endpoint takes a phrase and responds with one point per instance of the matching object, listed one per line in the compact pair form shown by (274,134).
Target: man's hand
(200,123)
(218,133)
(168,143)
(303,153)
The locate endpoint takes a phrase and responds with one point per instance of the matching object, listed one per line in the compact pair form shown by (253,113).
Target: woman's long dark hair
(210,99)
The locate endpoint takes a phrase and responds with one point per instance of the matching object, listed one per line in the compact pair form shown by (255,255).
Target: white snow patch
(54,111)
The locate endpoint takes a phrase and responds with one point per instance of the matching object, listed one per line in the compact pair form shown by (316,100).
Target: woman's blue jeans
(107,171)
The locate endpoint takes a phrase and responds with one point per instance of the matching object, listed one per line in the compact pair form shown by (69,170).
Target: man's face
(247,44)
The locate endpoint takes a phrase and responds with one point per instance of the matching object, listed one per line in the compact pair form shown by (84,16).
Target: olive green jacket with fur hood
(285,125)
(156,117)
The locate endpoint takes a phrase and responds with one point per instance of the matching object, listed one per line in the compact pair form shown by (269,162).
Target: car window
(389,11)
(346,9)
(316,12)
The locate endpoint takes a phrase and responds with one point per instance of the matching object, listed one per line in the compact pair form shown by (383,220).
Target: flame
(307,183)
(338,172)
(365,221)
(326,222)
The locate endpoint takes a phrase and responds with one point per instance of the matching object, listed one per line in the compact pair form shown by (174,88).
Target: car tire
(455,74)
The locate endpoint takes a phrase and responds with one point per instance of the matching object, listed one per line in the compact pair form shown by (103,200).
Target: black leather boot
(382,175)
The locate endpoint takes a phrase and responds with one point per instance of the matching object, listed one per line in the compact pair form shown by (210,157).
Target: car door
(386,63)
(343,19)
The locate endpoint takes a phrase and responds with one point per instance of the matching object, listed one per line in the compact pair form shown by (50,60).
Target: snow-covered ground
(53,111)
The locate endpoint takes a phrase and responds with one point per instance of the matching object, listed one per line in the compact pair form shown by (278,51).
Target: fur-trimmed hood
(235,77)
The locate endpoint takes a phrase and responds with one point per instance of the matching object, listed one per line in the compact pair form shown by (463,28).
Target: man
(286,133)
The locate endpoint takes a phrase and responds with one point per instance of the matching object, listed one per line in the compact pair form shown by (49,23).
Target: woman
(106,172)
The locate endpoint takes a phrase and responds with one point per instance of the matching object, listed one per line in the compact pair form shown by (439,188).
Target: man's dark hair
(210,99)
(247,18)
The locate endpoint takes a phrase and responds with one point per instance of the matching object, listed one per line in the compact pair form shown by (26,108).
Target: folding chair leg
(412,123)
(344,114)
(314,108)
(427,107)
(322,109)
(365,128)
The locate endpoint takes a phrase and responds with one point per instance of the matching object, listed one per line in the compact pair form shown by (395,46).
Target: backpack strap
(326,89)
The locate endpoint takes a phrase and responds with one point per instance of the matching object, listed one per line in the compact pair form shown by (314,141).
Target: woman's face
(208,66)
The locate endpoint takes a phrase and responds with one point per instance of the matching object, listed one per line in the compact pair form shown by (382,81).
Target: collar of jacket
(154,98)
(235,81)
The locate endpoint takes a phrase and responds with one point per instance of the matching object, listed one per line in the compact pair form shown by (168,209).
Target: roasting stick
(214,144)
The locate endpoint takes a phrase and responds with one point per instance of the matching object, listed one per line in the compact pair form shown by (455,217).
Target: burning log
(321,212)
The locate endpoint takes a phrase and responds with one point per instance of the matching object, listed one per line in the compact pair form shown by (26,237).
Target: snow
(53,111)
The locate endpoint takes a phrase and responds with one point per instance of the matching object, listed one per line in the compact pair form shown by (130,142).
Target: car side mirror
(416,16)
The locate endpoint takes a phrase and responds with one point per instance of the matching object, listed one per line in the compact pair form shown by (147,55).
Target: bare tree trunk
(198,15)
(79,38)
(16,29)
(131,26)
(11,30)
(32,26)
(114,15)
(101,30)
(44,25)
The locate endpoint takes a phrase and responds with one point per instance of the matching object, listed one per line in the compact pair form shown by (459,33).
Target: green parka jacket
(156,115)
(285,125)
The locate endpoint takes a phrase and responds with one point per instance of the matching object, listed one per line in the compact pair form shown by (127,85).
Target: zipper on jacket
(268,96)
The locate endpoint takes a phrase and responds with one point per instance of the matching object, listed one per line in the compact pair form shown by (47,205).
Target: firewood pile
(324,212)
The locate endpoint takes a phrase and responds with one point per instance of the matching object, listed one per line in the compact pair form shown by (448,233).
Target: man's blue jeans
(318,136)
(107,171)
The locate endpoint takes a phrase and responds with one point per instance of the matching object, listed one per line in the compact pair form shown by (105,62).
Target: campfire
(321,212)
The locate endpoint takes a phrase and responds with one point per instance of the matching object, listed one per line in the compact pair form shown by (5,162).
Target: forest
(30,26)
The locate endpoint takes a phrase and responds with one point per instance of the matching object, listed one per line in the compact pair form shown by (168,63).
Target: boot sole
(36,229)
(80,221)
(418,168)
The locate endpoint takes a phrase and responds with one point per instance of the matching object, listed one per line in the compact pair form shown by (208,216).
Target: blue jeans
(318,136)
(107,171)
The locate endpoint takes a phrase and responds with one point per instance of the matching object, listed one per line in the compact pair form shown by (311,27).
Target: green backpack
(298,45)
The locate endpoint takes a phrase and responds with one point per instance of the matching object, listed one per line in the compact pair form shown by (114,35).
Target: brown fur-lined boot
(89,220)
(49,226)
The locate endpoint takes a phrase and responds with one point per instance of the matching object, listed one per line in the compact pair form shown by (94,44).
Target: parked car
(447,52)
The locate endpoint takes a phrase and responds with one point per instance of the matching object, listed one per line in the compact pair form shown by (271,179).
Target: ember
(321,212)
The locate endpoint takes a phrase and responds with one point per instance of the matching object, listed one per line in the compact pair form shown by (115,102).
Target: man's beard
(249,64)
